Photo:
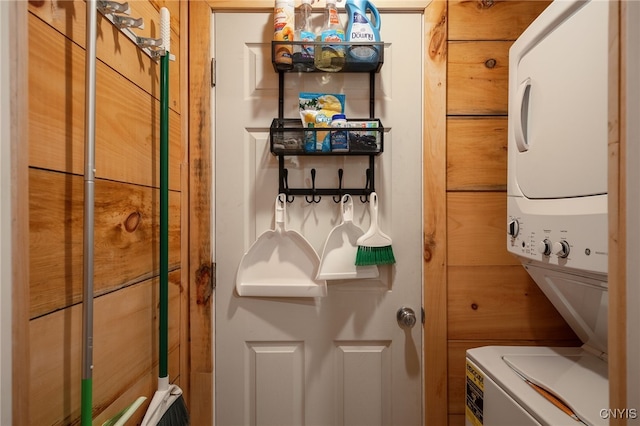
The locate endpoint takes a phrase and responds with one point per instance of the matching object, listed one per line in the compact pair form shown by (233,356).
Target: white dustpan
(340,249)
(280,263)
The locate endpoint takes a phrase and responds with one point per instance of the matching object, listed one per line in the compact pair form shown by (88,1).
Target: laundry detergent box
(365,135)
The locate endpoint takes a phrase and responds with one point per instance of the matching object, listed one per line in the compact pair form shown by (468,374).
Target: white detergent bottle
(361,29)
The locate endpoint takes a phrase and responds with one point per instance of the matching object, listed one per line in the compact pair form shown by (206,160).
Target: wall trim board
(617,213)
(201,294)
(435,214)
(16,408)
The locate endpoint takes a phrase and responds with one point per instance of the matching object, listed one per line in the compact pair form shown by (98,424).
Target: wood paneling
(201,268)
(478,77)
(115,49)
(477,154)
(491,298)
(491,20)
(126,228)
(488,302)
(125,352)
(476,229)
(456,420)
(435,213)
(127,118)
(126,235)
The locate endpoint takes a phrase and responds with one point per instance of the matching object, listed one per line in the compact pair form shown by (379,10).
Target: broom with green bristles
(167,408)
(374,247)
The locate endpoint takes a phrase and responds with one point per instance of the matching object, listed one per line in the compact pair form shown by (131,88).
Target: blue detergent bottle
(361,29)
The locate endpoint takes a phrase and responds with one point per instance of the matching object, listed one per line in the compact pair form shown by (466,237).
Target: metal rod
(372,94)
(89,198)
(281,95)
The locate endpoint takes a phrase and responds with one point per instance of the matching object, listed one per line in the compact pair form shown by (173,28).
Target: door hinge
(213,277)
(213,72)
(422,311)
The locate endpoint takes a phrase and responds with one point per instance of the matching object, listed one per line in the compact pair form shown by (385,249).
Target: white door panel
(341,359)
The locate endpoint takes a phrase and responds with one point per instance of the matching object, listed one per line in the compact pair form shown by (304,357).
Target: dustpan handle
(346,204)
(280,211)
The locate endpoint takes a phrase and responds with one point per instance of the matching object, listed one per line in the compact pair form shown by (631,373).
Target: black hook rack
(340,174)
(368,141)
(314,195)
(313,189)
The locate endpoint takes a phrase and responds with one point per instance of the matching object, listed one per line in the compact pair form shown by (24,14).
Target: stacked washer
(557,222)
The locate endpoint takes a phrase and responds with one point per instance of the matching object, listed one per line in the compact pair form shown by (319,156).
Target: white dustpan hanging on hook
(280,263)
(340,249)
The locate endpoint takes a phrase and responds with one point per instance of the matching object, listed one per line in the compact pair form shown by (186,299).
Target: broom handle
(163,337)
(86,404)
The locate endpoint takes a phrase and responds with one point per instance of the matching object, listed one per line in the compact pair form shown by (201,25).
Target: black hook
(340,173)
(366,187)
(285,178)
(313,189)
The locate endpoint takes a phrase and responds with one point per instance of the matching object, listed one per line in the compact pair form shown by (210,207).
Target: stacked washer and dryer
(557,222)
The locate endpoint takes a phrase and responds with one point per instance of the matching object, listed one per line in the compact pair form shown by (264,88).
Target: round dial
(513,228)
(544,247)
(561,248)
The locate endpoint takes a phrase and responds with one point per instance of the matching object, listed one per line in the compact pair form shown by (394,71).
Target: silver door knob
(406,317)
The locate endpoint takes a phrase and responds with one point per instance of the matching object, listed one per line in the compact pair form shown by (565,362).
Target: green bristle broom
(374,247)
(167,408)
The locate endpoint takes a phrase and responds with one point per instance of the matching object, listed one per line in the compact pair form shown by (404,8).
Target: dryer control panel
(557,233)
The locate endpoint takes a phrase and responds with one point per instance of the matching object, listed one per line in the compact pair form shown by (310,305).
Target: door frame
(202,261)
(14,187)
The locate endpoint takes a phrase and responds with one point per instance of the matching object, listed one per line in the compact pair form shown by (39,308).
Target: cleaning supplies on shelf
(283,30)
(303,54)
(365,136)
(331,56)
(339,138)
(318,109)
(361,29)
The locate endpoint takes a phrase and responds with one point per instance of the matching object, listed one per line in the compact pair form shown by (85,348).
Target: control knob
(561,248)
(513,228)
(544,247)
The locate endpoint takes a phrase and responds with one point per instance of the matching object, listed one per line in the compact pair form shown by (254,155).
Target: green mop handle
(163,336)
(86,404)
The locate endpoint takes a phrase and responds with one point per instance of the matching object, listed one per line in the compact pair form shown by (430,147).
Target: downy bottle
(360,29)
(304,53)
(330,57)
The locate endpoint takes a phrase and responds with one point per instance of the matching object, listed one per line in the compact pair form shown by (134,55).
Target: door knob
(406,317)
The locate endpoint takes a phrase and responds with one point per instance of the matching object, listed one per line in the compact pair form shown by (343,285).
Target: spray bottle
(330,57)
(361,29)
(303,54)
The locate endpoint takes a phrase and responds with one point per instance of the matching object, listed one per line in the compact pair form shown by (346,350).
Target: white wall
(5,219)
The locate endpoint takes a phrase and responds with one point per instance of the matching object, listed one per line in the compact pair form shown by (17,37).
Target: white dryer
(557,222)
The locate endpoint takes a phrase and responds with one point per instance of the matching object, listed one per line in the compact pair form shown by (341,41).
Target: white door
(342,359)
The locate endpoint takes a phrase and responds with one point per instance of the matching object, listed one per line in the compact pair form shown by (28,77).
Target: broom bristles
(176,414)
(375,256)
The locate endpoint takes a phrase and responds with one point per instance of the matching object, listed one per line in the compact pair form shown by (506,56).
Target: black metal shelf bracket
(313,194)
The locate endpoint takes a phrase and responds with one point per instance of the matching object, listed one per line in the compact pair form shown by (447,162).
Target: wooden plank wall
(490,297)
(126,212)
